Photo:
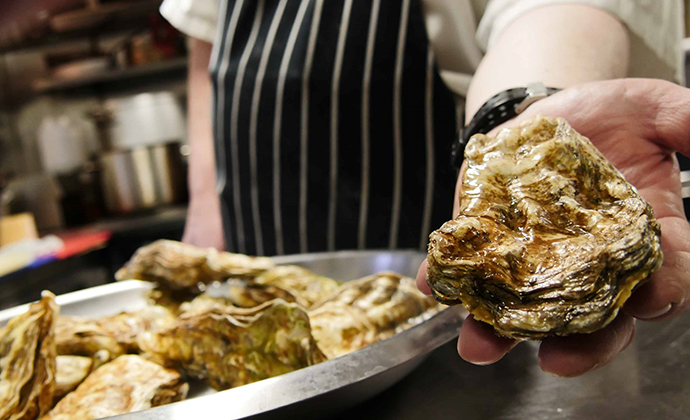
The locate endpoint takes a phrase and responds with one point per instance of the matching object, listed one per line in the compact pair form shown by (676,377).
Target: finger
(480,345)
(577,354)
(422,285)
(672,119)
(666,293)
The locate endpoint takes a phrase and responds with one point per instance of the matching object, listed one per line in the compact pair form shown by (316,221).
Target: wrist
(496,111)
(203,196)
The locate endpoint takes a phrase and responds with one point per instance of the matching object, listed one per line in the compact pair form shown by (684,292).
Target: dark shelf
(134,18)
(50,85)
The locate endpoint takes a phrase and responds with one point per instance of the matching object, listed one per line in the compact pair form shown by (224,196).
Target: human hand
(204,225)
(637,124)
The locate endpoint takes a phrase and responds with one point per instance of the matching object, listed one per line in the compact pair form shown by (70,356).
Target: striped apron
(332,127)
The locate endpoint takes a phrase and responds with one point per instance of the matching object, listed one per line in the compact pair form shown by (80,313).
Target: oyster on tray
(364,311)
(106,338)
(70,371)
(550,239)
(176,265)
(127,384)
(307,287)
(235,346)
(27,362)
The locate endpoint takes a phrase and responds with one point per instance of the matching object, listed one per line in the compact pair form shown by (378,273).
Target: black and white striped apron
(332,126)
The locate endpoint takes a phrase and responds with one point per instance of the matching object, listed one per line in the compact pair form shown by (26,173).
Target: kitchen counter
(649,380)
(97,265)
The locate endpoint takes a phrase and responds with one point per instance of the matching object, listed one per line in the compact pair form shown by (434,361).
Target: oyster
(176,265)
(127,384)
(305,286)
(235,346)
(249,294)
(27,362)
(84,337)
(168,299)
(238,293)
(106,338)
(126,326)
(365,311)
(550,238)
(70,371)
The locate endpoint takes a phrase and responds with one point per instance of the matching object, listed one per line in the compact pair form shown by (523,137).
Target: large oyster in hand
(235,346)
(180,266)
(550,238)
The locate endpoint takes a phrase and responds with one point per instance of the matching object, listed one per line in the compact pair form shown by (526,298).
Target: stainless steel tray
(313,392)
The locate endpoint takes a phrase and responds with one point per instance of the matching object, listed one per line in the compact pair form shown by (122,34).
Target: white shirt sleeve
(195,18)
(658,24)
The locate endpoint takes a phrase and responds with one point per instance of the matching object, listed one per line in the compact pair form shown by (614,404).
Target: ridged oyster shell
(362,312)
(177,265)
(27,362)
(235,346)
(307,287)
(127,384)
(550,238)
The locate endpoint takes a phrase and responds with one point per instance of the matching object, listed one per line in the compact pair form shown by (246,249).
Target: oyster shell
(249,294)
(77,336)
(205,303)
(106,338)
(307,287)
(550,238)
(27,362)
(364,311)
(238,296)
(238,293)
(176,265)
(127,384)
(168,299)
(236,346)
(70,371)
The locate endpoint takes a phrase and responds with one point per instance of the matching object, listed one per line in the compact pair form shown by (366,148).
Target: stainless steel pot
(143,177)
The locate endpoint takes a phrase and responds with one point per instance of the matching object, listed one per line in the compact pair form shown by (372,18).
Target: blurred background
(92,140)
(93,153)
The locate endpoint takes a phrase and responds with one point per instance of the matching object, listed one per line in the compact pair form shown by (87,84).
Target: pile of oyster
(262,321)
(550,238)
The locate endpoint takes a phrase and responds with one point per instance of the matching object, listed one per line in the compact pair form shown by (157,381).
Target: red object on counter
(79,242)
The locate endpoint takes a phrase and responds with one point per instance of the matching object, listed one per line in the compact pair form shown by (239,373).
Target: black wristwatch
(497,110)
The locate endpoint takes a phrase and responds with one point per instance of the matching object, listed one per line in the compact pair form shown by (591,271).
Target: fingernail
(656,314)
(482,363)
(572,374)
(630,340)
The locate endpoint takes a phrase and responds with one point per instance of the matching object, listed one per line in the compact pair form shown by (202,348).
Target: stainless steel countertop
(649,380)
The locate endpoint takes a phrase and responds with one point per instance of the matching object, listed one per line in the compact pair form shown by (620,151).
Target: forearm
(559,45)
(204,225)
(202,165)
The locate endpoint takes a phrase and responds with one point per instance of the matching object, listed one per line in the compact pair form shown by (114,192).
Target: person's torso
(332,126)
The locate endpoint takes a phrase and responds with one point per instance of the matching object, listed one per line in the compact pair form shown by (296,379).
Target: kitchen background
(93,140)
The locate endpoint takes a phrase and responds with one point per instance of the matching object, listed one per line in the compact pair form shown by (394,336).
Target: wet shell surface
(550,238)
